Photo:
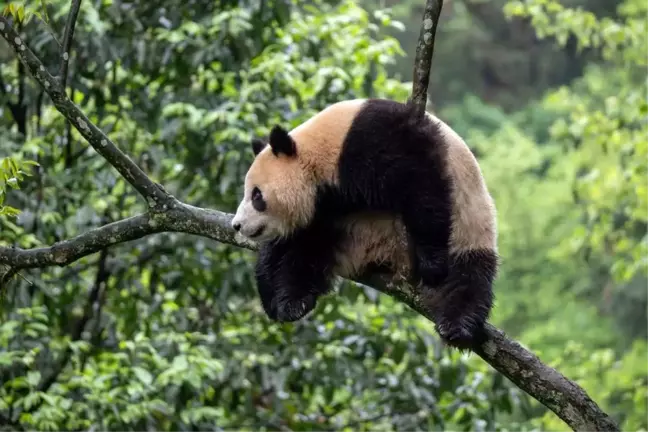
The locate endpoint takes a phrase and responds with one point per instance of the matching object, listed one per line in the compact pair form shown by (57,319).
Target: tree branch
(156,196)
(564,397)
(67,41)
(423,59)
(21,107)
(179,217)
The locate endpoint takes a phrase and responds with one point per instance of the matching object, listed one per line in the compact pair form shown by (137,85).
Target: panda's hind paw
(460,333)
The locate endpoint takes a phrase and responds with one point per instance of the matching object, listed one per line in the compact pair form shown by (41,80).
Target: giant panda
(367,184)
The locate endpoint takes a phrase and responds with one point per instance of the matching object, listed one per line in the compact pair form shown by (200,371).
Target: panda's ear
(257,146)
(281,142)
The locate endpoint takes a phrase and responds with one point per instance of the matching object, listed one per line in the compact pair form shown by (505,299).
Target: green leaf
(33,378)
(143,375)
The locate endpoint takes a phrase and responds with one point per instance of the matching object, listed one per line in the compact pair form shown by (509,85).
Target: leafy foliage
(13,172)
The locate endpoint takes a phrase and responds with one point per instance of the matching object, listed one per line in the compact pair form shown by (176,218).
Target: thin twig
(68,138)
(423,60)
(68,36)
(21,107)
(46,22)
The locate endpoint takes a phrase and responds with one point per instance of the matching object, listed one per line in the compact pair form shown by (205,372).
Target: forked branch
(562,396)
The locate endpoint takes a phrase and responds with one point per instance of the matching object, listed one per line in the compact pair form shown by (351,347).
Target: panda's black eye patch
(258,202)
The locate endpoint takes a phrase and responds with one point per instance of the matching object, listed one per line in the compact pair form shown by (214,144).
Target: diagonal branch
(156,196)
(68,36)
(423,59)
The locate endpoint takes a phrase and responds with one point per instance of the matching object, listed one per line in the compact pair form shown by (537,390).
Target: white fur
(252,220)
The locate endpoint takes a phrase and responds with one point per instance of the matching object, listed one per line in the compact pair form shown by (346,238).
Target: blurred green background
(167,333)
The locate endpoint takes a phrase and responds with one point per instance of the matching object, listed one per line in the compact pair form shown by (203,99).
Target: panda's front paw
(462,331)
(292,309)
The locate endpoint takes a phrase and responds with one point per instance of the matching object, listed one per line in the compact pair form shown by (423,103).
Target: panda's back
(385,139)
(386,152)
(389,128)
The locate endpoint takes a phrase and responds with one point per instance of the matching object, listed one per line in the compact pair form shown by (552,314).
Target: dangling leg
(457,288)
(427,219)
(462,304)
(291,275)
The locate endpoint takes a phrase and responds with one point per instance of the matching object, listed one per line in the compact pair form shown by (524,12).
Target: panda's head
(279,192)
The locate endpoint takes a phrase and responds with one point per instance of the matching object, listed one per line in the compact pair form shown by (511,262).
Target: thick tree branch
(423,59)
(178,217)
(562,396)
(156,196)
(68,36)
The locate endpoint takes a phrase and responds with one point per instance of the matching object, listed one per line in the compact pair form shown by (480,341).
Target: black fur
(292,273)
(257,146)
(281,142)
(389,162)
(461,305)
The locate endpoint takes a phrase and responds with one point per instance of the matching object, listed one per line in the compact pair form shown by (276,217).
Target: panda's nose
(236,226)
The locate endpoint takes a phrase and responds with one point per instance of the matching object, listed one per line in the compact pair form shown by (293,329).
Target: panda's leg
(267,263)
(462,305)
(457,288)
(427,218)
(290,278)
